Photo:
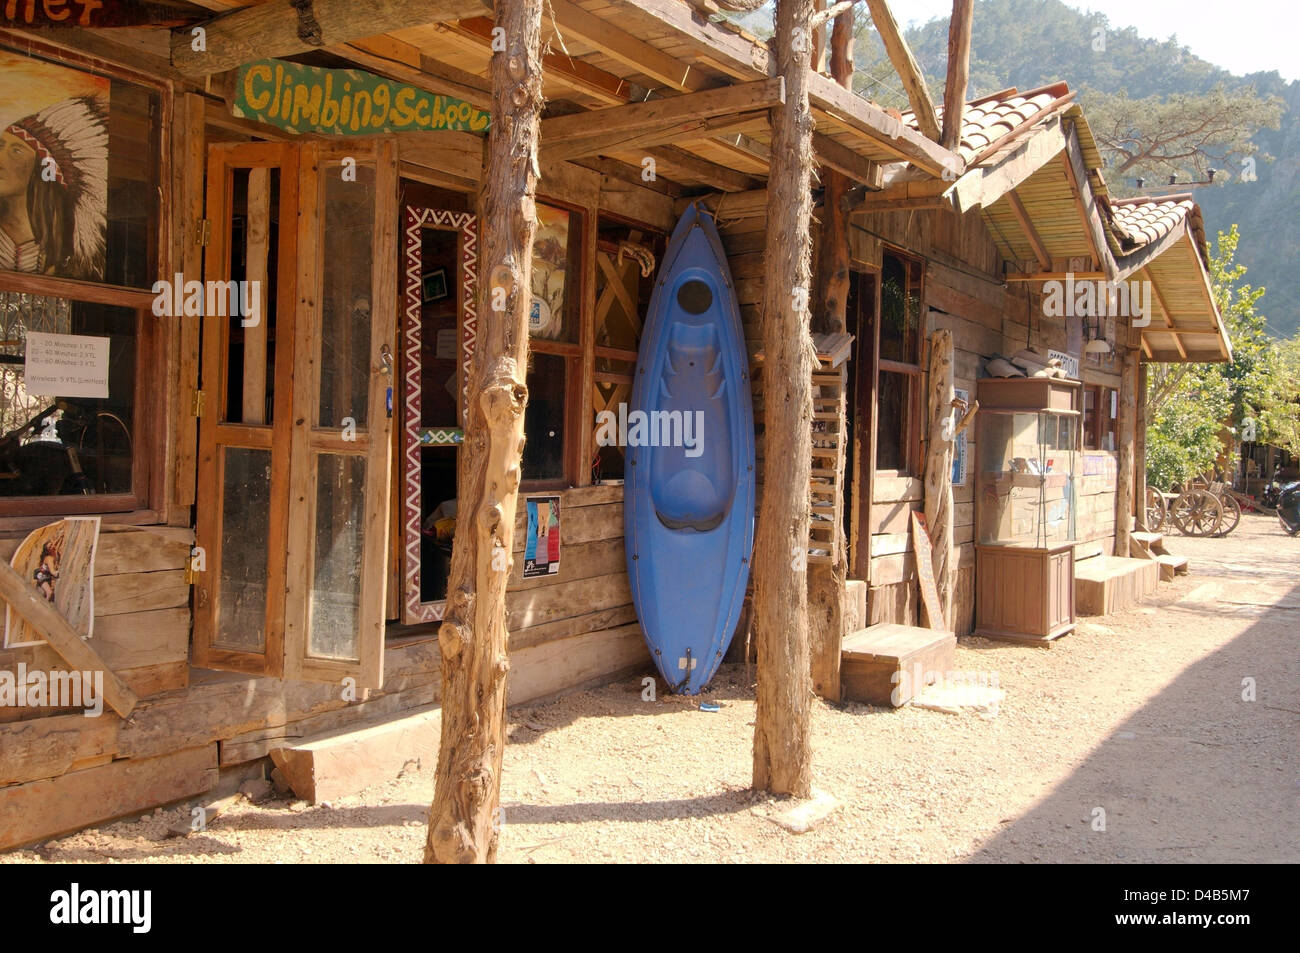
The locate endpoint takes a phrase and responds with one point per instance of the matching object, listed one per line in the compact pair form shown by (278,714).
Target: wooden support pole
(464,822)
(782,733)
(938,473)
(1128,382)
(1140,449)
(72,648)
(826,583)
(954,92)
(900,55)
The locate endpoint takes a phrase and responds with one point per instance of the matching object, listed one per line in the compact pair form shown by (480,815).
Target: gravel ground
(1137,719)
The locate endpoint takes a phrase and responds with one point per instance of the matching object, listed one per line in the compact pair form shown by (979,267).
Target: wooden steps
(888,664)
(1106,584)
(825,541)
(1152,546)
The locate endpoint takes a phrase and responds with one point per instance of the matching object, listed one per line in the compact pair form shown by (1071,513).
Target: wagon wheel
(1197,513)
(1157,510)
(1231,514)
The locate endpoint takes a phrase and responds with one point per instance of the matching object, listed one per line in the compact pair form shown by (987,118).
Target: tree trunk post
(1140,450)
(954,93)
(464,821)
(1127,437)
(826,584)
(938,473)
(782,744)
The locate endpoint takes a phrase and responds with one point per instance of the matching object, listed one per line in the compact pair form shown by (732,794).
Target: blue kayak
(689,493)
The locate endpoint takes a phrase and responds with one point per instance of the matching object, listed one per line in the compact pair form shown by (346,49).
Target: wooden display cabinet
(1026,445)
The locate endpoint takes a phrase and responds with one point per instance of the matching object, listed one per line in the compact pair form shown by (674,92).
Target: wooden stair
(1106,584)
(1152,546)
(889,664)
(825,541)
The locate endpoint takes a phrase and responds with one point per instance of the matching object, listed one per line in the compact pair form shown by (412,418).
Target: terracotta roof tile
(1139,222)
(989,119)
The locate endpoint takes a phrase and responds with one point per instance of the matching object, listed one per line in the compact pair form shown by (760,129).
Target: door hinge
(197,401)
(203,233)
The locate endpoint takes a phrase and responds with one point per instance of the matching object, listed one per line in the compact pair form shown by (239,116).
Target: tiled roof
(1141,221)
(988,119)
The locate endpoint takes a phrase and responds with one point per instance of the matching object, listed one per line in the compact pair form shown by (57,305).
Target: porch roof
(606,54)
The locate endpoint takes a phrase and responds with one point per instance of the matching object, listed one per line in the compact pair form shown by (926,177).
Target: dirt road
(1140,720)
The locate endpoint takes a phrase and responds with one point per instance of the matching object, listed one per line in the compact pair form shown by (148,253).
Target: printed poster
(66,365)
(550,263)
(58,561)
(542,546)
(959,446)
(53,168)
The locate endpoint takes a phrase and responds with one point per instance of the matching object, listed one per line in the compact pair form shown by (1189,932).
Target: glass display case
(1027,446)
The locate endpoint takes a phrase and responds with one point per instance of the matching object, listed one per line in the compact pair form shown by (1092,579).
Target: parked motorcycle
(1288,508)
(1273,490)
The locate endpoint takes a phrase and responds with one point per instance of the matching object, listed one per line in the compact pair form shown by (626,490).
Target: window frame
(147,501)
(914,271)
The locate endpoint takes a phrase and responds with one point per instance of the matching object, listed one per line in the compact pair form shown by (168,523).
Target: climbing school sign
(344,102)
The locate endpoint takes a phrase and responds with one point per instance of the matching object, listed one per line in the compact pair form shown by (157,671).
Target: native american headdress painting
(70,139)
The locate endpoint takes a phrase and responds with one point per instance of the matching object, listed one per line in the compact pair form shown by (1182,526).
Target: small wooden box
(889,664)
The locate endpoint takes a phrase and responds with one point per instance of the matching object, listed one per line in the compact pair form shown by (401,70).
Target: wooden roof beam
(1031,234)
(1164,313)
(954,90)
(844,160)
(656,122)
(900,54)
(286,27)
(710,173)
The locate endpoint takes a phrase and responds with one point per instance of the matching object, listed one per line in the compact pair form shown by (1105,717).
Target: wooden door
(246,413)
(294,496)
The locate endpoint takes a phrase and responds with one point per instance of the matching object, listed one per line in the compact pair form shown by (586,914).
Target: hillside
(1028,43)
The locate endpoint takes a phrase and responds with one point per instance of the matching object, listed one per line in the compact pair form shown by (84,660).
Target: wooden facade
(214,701)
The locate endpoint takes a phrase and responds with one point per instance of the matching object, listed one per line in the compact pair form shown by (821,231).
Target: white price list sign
(66,365)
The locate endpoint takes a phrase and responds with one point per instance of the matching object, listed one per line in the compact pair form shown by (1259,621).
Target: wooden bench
(888,664)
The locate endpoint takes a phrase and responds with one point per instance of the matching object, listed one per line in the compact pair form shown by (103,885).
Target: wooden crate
(888,664)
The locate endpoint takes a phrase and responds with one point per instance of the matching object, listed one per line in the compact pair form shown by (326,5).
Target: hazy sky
(1242,36)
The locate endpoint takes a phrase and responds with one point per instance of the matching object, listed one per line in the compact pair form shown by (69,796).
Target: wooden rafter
(1031,234)
(710,173)
(286,27)
(573,22)
(844,160)
(900,54)
(1164,313)
(633,140)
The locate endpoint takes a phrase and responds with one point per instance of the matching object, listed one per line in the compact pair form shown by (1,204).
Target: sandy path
(1140,714)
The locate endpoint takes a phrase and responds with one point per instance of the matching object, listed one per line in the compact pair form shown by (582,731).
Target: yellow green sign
(344,102)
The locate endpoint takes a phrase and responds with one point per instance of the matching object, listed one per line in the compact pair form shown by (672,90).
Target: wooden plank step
(826,452)
(888,664)
(1107,584)
(343,762)
(822,473)
(1171,566)
(825,416)
(819,559)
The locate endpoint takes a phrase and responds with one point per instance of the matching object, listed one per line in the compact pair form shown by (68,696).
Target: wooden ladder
(825,541)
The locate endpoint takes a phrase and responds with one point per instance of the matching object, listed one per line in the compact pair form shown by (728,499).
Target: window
(79,238)
(1100,411)
(555,347)
(899,384)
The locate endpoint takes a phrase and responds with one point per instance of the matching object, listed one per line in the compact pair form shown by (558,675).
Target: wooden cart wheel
(1157,510)
(1197,513)
(1231,515)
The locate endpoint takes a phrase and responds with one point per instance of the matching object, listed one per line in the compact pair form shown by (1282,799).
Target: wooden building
(275,483)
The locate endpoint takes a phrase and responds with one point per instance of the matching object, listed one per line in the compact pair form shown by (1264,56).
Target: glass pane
(247,301)
(348,230)
(900,312)
(245,529)
(544,418)
(80,152)
(891,432)
(70,430)
(336,582)
(556,267)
